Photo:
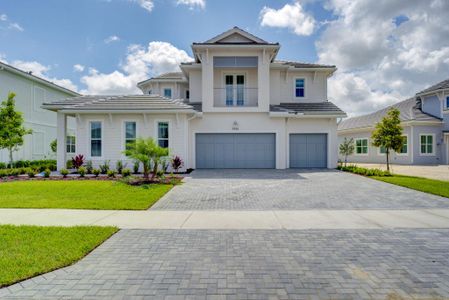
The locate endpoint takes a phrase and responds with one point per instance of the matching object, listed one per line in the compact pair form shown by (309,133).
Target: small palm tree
(147,152)
(347,148)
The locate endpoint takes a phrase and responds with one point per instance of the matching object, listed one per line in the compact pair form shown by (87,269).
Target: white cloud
(78,68)
(3,17)
(41,70)
(381,61)
(15,26)
(140,63)
(192,3)
(290,16)
(148,5)
(112,38)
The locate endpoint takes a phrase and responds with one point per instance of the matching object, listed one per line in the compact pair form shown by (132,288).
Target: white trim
(89,145)
(367,146)
(433,144)
(294,88)
(70,135)
(156,131)
(123,135)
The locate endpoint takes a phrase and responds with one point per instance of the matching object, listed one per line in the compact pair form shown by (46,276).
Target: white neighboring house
(31,92)
(235,106)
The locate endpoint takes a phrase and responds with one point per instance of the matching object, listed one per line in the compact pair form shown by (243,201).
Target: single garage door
(235,150)
(308,150)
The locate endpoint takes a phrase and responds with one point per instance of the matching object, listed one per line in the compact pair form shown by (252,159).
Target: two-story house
(425,122)
(234,106)
(31,92)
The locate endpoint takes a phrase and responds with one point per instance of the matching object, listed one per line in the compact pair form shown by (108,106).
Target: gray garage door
(308,150)
(235,150)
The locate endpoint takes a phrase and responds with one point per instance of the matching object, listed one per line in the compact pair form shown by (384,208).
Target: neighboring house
(425,122)
(243,109)
(31,92)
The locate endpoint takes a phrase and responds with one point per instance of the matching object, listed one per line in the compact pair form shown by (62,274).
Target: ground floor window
(95,139)
(70,144)
(404,149)
(426,144)
(162,134)
(361,146)
(130,133)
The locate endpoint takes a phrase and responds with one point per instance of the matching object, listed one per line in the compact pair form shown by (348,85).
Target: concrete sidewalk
(273,219)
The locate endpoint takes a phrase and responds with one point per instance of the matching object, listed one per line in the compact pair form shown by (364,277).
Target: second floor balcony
(235,96)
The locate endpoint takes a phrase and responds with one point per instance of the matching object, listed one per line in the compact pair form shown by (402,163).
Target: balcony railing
(235,96)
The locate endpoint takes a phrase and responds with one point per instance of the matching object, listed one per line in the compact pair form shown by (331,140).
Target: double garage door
(258,150)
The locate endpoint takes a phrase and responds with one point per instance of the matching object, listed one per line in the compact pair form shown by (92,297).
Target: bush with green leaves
(364,171)
(89,167)
(126,172)
(47,173)
(112,173)
(31,172)
(69,164)
(104,168)
(82,171)
(136,167)
(96,172)
(119,166)
(64,172)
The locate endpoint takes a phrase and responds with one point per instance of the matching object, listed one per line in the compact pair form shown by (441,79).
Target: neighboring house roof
(320,108)
(30,76)
(197,106)
(296,64)
(410,110)
(118,103)
(252,39)
(175,76)
(443,85)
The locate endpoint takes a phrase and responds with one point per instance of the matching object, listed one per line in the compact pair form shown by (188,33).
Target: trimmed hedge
(39,165)
(364,171)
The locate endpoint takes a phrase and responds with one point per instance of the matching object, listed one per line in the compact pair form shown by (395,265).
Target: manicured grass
(431,186)
(27,251)
(82,194)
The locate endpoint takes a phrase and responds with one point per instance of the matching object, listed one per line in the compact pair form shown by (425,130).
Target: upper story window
(162,134)
(95,139)
(426,144)
(167,93)
(300,87)
(187,94)
(235,89)
(70,144)
(130,133)
(361,146)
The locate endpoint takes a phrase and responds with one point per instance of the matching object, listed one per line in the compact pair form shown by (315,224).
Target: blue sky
(385,50)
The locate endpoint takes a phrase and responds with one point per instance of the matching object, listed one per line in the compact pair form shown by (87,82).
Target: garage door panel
(308,150)
(235,150)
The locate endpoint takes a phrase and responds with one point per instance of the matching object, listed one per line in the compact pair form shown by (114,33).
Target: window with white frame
(70,144)
(300,89)
(361,146)
(162,134)
(167,93)
(426,144)
(95,139)
(130,133)
(404,149)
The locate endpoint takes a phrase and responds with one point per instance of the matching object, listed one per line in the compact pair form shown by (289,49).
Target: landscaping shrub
(176,163)
(40,165)
(136,167)
(364,171)
(69,164)
(104,168)
(126,172)
(82,171)
(119,166)
(47,173)
(78,161)
(2,165)
(64,172)
(96,172)
(112,173)
(31,172)
(89,167)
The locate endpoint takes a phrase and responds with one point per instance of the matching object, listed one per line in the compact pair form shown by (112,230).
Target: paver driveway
(290,190)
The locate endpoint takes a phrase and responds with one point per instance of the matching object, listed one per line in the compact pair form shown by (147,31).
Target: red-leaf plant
(78,161)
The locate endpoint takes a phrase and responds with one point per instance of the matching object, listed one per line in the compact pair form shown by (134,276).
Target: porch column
(61,133)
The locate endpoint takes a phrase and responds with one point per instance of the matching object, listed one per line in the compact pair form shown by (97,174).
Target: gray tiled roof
(410,110)
(324,107)
(198,106)
(439,86)
(170,75)
(257,40)
(297,64)
(111,103)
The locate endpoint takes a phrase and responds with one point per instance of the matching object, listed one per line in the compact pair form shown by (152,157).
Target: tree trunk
(156,163)
(388,163)
(10,158)
(346,159)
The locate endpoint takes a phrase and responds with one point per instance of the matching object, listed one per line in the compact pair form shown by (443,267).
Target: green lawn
(27,251)
(431,186)
(82,194)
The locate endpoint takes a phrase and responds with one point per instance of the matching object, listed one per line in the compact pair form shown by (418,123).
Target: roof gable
(235,35)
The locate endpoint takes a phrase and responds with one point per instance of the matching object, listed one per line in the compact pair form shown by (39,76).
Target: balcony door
(235,89)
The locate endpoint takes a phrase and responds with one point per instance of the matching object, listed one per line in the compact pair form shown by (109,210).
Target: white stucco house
(234,106)
(425,123)
(31,92)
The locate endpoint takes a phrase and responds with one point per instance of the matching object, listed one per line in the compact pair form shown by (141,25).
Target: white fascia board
(302,115)
(431,92)
(236,46)
(129,111)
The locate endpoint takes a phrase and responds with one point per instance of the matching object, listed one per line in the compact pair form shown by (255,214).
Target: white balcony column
(263,82)
(207,83)
(61,133)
